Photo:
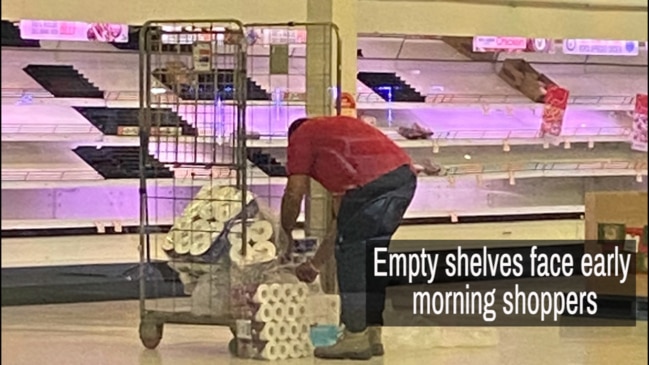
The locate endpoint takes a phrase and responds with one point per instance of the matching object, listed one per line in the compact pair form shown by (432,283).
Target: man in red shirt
(372,181)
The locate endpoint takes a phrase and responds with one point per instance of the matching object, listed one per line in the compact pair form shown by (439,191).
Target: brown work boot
(353,346)
(375,341)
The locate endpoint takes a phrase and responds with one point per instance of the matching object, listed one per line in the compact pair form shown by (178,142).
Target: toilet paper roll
(270,352)
(178,232)
(264,252)
(217,226)
(265,313)
(205,192)
(201,225)
(201,242)
(206,211)
(295,350)
(167,245)
(307,348)
(294,331)
(283,331)
(225,193)
(238,197)
(260,231)
(279,314)
(225,211)
(269,332)
(256,231)
(275,292)
(283,350)
(287,292)
(301,310)
(262,294)
(305,330)
(291,312)
(183,243)
(300,292)
(193,208)
(236,255)
(199,236)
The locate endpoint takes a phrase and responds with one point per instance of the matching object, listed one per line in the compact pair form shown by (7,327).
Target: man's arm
(296,187)
(328,244)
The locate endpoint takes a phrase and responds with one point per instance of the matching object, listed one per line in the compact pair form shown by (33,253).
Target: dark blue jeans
(367,219)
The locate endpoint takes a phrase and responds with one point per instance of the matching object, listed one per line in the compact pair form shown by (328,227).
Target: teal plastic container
(324,335)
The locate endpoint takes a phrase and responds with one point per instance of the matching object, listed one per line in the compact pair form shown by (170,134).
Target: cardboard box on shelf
(606,212)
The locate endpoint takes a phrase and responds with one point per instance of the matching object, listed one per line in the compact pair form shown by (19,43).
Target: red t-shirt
(342,153)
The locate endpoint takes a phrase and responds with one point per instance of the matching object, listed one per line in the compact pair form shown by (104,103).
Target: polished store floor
(106,333)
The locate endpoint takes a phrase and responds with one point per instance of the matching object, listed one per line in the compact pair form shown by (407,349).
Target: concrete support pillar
(321,81)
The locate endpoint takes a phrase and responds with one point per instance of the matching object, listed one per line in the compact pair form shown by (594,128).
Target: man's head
(295,125)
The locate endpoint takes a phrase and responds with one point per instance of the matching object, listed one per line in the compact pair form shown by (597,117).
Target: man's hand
(429,168)
(307,272)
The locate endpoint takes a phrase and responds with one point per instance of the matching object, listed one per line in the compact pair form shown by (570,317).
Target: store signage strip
(595,47)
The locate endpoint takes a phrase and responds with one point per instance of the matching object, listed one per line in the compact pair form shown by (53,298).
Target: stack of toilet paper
(218,239)
(217,222)
(278,323)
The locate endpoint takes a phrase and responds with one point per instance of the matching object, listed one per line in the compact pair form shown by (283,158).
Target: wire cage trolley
(208,235)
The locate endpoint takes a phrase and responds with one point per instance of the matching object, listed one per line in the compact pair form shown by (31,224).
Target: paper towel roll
(270,352)
(269,332)
(283,350)
(262,294)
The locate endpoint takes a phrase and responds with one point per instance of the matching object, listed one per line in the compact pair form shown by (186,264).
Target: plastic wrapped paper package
(224,284)
(212,277)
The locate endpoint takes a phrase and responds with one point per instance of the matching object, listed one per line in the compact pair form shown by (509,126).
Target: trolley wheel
(233,347)
(150,334)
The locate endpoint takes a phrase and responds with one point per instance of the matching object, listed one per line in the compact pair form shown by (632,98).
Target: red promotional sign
(639,134)
(556,102)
